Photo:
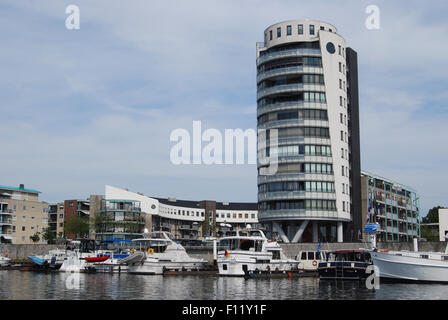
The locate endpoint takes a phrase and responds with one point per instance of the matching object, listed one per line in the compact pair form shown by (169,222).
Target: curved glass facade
(298,89)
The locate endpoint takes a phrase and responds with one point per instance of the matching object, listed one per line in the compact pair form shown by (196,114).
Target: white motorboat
(250,252)
(158,253)
(4,261)
(413,266)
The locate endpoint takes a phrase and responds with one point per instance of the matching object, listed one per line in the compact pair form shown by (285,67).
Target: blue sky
(95,106)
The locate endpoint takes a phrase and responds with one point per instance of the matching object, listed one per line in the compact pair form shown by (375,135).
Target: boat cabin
(349,255)
(243,244)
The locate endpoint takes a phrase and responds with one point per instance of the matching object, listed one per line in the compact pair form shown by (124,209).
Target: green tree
(49,236)
(430,233)
(78,226)
(35,238)
(432,216)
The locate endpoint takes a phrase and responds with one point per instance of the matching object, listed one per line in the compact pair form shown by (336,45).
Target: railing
(286,53)
(299,213)
(280,71)
(280,89)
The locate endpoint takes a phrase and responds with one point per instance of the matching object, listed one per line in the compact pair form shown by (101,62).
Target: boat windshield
(157,246)
(241,244)
(256,233)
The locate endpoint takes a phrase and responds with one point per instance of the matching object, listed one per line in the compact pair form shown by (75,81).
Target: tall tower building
(307,97)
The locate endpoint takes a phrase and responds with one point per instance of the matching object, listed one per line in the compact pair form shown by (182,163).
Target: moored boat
(158,253)
(412,266)
(250,252)
(345,265)
(4,261)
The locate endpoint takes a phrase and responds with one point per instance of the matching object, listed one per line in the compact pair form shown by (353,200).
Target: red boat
(96,259)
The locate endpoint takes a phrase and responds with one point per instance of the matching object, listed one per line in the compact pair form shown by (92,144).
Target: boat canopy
(242,243)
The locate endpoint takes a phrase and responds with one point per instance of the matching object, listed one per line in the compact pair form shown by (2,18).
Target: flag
(226,253)
(318,248)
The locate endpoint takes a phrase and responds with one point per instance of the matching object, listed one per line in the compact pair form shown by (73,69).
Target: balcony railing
(288,53)
(280,89)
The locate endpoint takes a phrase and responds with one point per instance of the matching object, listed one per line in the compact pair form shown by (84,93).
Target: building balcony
(279,72)
(288,53)
(290,105)
(6,212)
(296,195)
(302,214)
(286,88)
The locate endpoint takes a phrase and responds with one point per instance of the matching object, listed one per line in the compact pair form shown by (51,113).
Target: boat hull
(410,269)
(154,268)
(342,270)
(240,267)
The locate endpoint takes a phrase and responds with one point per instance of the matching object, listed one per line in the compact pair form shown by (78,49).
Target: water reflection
(30,285)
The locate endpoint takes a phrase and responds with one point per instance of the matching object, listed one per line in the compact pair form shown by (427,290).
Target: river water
(22,285)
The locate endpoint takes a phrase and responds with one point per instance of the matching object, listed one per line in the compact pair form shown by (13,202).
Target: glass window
(270,35)
(300,28)
(279,32)
(311,28)
(288,30)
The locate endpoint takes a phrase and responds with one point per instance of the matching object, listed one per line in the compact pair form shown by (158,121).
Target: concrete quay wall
(21,251)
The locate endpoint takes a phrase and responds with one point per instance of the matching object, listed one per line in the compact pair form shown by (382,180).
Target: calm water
(31,285)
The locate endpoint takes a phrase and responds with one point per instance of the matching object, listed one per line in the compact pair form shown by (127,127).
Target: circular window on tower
(153,206)
(330,47)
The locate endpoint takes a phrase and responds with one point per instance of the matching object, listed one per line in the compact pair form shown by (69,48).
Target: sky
(83,108)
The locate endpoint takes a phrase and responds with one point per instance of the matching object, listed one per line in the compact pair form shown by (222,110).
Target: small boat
(345,265)
(249,252)
(77,251)
(52,260)
(96,259)
(4,261)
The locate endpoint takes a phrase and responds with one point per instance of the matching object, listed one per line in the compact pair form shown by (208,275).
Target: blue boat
(38,261)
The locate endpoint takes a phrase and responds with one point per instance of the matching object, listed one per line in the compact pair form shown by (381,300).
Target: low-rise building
(394,206)
(189,220)
(22,216)
(56,219)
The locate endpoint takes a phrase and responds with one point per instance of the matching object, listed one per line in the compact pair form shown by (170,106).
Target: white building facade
(185,218)
(307,96)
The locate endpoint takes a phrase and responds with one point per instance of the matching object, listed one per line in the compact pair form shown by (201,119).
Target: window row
(310,186)
(317,97)
(327,205)
(300,30)
(303,132)
(294,79)
(314,97)
(320,168)
(304,114)
(290,62)
(292,150)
